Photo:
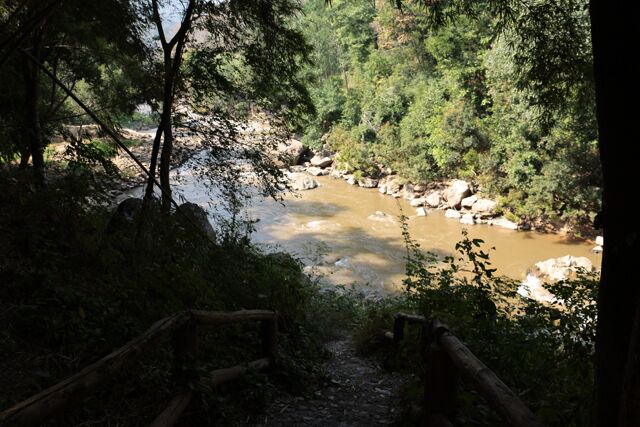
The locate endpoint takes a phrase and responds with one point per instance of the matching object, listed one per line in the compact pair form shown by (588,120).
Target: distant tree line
(394,91)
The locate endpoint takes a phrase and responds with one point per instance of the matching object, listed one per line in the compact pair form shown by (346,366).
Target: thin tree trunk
(155,149)
(165,167)
(611,25)
(34,141)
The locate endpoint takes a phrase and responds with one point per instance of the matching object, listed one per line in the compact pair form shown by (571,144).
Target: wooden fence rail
(446,358)
(182,328)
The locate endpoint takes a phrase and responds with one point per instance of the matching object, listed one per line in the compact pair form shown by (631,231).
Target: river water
(335,230)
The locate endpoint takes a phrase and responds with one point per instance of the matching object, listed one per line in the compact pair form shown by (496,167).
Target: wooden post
(398,328)
(185,352)
(269,338)
(441,381)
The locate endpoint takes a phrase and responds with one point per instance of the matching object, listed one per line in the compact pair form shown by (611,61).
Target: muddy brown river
(336,232)
(340,221)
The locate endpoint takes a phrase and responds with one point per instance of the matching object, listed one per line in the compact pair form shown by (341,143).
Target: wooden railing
(445,359)
(182,327)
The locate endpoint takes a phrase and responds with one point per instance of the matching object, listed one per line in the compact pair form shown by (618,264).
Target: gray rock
(336,173)
(452,213)
(467,219)
(421,212)
(420,201)
(434,199)
(484,207)
(351,180)
(197,216)
(468,202)
(420,188)
(314,171)
(504,223)
(456,191)
(321,162)
(368,182)
(556,269)
(125,215)
(549,271)
(302,182)
(293,150)
(599,240)
(393,185)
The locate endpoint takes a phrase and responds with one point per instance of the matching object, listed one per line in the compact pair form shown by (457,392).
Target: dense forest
(395,94)
(521,98)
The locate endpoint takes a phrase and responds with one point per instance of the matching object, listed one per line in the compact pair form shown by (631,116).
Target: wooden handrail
(441,375)
(182,326)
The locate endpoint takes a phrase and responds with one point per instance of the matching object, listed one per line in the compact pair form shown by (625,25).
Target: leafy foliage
(497,92)
(543,352)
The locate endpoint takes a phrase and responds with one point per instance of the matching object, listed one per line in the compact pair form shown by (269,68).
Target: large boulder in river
(393,186)
(484,207)
(504,223)
(367,182)
(452,213)
(549,271)
(468,202)
(563,268)
(301,182)
(291,152)
(315,171)
(197,217)
(467,219)
(420,201)
(434,199)
(457,190)
(321,162)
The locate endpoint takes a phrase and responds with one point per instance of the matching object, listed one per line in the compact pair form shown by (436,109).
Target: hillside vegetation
(393,94)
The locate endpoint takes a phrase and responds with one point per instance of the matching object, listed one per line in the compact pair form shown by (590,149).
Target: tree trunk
(611,24)
(33,138)
(165,167)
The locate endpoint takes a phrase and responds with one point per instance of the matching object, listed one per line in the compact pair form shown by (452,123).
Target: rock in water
(434,199)
(467,219)
(484,207)
(368,182)
(457,191)
(421,212)
(321,162)
(452,213)
(420,201)
(549,271)
(300,182)
(294,151)
(314,171)
(393,186)
(504,223)
(468,202)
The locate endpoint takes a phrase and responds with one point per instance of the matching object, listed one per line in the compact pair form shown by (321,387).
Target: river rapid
(351,234)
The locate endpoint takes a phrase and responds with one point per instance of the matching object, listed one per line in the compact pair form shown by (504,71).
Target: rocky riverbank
(461,200)
(140,142)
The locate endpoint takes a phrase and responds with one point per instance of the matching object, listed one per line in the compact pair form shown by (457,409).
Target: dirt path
(360,394)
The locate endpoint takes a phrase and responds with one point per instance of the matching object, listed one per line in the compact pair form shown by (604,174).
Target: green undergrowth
(75,285)
(542,352)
